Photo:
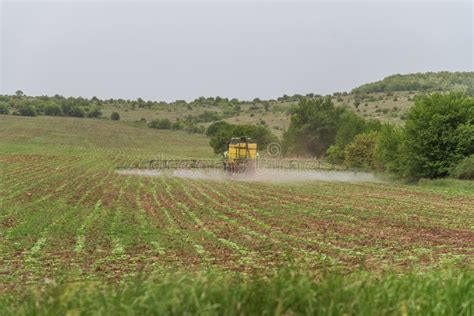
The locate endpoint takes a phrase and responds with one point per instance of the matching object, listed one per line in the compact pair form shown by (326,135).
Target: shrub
(178,125)
(26,110)
(388,148)
(94,113)
(465,169)
(360,153)
(161,124)
(335,155)
(195,128)
(4,108)
(76,111)
(115,116)
(214,128)
(207,116)
(260,134)
(52,110)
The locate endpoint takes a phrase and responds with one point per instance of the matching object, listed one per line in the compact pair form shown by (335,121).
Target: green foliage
(335,155)
(214,128)
(76,111)
(350,125)
(115,116)
(356,103)
(286,292)
(439,133)
(94,113)
(465,169)
(206,116)
(313,127)
(26,110)
(221,133)
(161,124)
(430,81)
(388,148)
(52,109)
(360,152)
(4,108)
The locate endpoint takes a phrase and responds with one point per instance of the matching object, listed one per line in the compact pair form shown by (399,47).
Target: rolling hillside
(385,100)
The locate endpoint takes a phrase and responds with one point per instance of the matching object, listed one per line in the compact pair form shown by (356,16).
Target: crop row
(62,213)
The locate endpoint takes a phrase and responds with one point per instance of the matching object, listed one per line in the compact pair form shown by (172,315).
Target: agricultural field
(65,211)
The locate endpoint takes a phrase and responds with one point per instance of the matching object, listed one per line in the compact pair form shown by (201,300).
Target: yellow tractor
(241,156)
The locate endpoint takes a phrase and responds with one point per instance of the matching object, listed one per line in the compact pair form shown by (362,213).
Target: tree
(350,125)
(76,111)
(4,108)
(94,113)
(52,109)
(388,148)
(439,133)
(26,110)
(335,155)
(115,116)
(19,93)
(222,132)
(356,103)
(360,153)
(215,127)
(313,127)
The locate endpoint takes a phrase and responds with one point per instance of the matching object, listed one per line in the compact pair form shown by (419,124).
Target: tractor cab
(241,155)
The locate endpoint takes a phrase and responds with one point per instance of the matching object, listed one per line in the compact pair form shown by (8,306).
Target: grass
(453,186)
(76,236)
(285,292)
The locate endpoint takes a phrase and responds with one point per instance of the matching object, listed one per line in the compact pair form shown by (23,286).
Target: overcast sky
(182,50)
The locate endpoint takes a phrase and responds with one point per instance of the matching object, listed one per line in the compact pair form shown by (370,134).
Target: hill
(421,82)
(385,100)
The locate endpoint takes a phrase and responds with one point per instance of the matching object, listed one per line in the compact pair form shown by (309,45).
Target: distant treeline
(423,82)
(20,104)
(57,105)
(437,139)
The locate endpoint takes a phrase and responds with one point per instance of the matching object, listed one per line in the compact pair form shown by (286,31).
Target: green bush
(222,133)
(214,128)
(335,155)
(360,153)
(52,110)
(439,133)
(465,169)
(388,148)
(349,125)
(178,125)
(26,110)
(76,111)
(115,116)
(161,124)
(313,127)
(94,113)
(4,108)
